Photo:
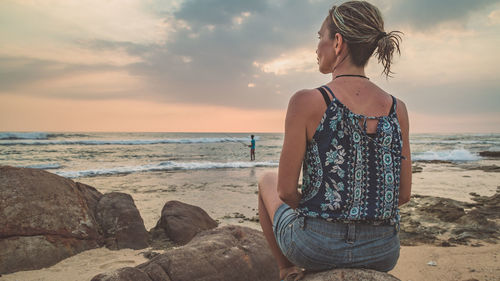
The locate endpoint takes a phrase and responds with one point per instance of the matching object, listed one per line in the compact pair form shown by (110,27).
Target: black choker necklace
(351,75)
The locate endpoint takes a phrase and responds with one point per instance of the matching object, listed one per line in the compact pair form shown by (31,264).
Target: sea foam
(44,166)
(23,136)
(164,166)
(446,155)
(124,142)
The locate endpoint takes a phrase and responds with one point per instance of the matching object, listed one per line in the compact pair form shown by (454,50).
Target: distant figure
(252,149)
(351,139)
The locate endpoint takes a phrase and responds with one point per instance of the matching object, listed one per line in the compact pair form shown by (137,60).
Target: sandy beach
(228,206)
(452,263)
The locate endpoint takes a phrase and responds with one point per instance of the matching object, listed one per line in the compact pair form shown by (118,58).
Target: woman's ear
(338,43)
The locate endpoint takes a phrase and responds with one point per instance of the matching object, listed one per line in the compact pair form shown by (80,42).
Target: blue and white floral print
(312,173)
(349,175)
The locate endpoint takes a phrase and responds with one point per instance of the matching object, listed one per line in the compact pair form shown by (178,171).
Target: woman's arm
(405,183)
(294,147)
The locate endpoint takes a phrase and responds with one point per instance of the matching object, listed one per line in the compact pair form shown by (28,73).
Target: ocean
(196,167)
(81,155)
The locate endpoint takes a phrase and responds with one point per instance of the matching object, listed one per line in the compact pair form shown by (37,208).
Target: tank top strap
(394,105)
(325,96)
(329,90)
(328,101)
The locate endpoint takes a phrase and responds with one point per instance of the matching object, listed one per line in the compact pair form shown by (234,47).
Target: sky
(230,65)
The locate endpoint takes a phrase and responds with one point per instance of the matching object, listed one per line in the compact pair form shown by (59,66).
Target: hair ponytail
(386,45)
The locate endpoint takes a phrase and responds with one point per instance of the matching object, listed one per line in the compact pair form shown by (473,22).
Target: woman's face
(325,51)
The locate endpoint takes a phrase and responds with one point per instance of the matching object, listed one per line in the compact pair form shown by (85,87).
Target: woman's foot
(292,273)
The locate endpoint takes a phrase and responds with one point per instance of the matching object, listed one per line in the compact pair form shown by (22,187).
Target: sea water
(194,167)
(79,155)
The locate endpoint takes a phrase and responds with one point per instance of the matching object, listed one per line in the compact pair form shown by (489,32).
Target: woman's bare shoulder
(401,107)
(305,97)
(402,113)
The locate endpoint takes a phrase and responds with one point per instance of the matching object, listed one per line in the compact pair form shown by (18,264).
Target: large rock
(492,154)
(226,253)
(121,222)
(444,222)
(125,274)
(350,275)
(180,222)
(445,209)
(44,218)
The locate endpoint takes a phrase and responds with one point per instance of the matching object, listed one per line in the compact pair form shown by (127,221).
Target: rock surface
(492,154)
(180,222)
(225,253)
(121,222)
(126,274)
(350,275)
(45,218)
(444,222)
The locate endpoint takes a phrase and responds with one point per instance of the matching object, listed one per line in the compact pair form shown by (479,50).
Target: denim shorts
(316,244)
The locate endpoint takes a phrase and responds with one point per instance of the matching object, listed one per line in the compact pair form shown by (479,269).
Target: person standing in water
(252,148)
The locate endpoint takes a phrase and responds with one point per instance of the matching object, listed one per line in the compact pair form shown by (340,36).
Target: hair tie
(381,35)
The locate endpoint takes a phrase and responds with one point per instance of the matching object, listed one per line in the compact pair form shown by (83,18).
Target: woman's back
(351,173)
(362,97)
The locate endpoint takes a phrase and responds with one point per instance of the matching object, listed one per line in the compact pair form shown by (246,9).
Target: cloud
(217,12)
(236,53)
(223,40)
(61,20)
(494,17)
(429,14)
(301,60)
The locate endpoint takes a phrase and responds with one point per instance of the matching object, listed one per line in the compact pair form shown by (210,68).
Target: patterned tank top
(349,175)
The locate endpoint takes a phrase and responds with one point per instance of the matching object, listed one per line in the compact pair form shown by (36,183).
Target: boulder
(492,154)
(44,218)
(225,253)
(124,274)
(38,251)
(444,222)
(121,223)
(344,274)
(445,209)
(180,222)
(91,195)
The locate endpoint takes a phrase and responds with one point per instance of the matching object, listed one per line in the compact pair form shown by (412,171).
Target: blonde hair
(362,27)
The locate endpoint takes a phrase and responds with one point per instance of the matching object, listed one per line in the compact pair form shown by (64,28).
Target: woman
(352,139)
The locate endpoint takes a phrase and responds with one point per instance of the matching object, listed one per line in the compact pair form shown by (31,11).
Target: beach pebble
(432,263)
